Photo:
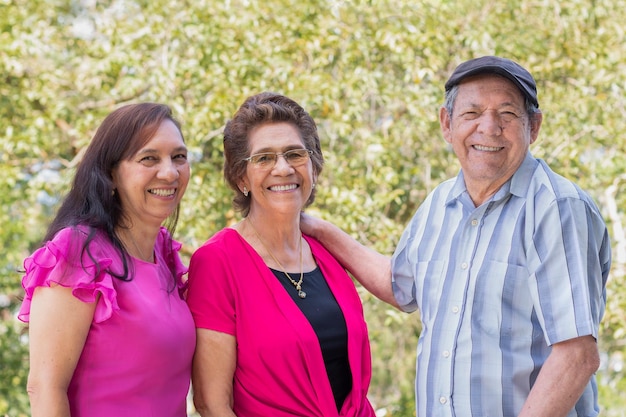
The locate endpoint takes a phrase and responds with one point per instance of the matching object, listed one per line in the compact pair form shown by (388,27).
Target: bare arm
(563,378)
(212,376)
(59,323)
(370,268)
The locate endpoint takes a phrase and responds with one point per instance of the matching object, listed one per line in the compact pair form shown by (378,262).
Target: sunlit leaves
(371,72)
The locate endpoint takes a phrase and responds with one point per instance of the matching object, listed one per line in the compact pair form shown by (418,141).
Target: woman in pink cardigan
(280,327)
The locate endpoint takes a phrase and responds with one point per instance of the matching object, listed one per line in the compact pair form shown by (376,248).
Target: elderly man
(507,263)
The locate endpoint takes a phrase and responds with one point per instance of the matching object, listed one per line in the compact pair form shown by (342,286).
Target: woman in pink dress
(280,327)
(109,331)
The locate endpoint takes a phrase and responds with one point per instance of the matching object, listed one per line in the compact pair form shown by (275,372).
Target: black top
(326,318)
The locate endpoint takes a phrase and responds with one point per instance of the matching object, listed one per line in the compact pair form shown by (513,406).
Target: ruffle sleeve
(170,249)
(58,263)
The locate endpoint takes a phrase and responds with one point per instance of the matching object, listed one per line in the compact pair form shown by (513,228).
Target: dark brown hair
(91,201)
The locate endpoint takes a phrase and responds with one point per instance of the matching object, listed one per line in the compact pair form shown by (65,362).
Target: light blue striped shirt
(497,285)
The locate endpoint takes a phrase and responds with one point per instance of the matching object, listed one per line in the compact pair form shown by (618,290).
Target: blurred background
(371,73)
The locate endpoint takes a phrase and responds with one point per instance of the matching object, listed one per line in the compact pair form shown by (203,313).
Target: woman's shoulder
(220,248)
(222,239)
(63,261)
(166,243)
(71,243)
(70,235)
(170,251)
(316,246)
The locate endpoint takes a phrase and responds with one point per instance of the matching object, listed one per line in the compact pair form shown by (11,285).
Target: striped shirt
(497,285)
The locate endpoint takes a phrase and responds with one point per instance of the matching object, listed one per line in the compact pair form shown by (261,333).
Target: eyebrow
(151,150)
(505,105)
(284,149)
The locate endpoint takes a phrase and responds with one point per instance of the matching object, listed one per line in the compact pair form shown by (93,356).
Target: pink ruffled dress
(137,357)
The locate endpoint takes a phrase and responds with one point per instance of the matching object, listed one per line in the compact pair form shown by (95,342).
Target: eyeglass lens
(294,157)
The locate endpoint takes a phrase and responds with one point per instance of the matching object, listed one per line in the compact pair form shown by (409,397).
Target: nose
(490,124)
(281,165)
(168,171)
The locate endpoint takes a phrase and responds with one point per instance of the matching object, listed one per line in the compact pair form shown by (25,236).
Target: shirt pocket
(502,299)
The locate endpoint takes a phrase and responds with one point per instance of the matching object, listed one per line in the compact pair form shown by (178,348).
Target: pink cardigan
(280,371)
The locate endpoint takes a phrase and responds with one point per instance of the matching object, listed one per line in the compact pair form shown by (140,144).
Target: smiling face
(490,132)
(282,188)
(152,182)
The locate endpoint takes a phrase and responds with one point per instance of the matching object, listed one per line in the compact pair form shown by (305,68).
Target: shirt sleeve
(402,277)
(171,252)
(62,262)
(569,268)
(210,295)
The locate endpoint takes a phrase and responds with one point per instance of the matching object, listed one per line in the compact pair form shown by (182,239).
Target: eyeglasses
(267,160)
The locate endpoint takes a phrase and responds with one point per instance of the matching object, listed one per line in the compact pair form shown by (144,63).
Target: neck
(138,244)
(279,234)
(279,250)
(296,283)
(481,192)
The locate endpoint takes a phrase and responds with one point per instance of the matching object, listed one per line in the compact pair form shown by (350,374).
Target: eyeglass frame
(275,157)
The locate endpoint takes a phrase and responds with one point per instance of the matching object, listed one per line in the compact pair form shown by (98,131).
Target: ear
(535,125)
(445,121)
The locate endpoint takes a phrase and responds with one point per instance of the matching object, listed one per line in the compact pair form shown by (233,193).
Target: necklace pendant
(301,294)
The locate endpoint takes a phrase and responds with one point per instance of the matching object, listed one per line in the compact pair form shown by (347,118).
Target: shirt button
(446,353)
(455,309)
(464,265)
(474,222)
(443,400)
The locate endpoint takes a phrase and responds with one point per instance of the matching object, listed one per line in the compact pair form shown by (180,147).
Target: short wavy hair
(257,110)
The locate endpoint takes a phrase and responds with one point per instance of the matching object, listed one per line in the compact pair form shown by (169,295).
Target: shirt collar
(517,185)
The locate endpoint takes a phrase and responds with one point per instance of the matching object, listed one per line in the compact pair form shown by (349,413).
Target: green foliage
(13,357)
(371,72)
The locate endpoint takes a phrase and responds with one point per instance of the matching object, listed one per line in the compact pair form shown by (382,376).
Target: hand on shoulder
(312,226)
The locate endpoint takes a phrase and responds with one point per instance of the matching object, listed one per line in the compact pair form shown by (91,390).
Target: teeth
(283,187)
(162,193)
(486,148)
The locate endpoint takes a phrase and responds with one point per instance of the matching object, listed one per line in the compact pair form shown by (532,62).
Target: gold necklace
(297,284)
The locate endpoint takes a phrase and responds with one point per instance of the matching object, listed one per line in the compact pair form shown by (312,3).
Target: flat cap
(496,65)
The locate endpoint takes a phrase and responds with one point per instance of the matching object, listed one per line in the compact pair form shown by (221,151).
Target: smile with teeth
(285,187)
(487,148)
(163,192)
